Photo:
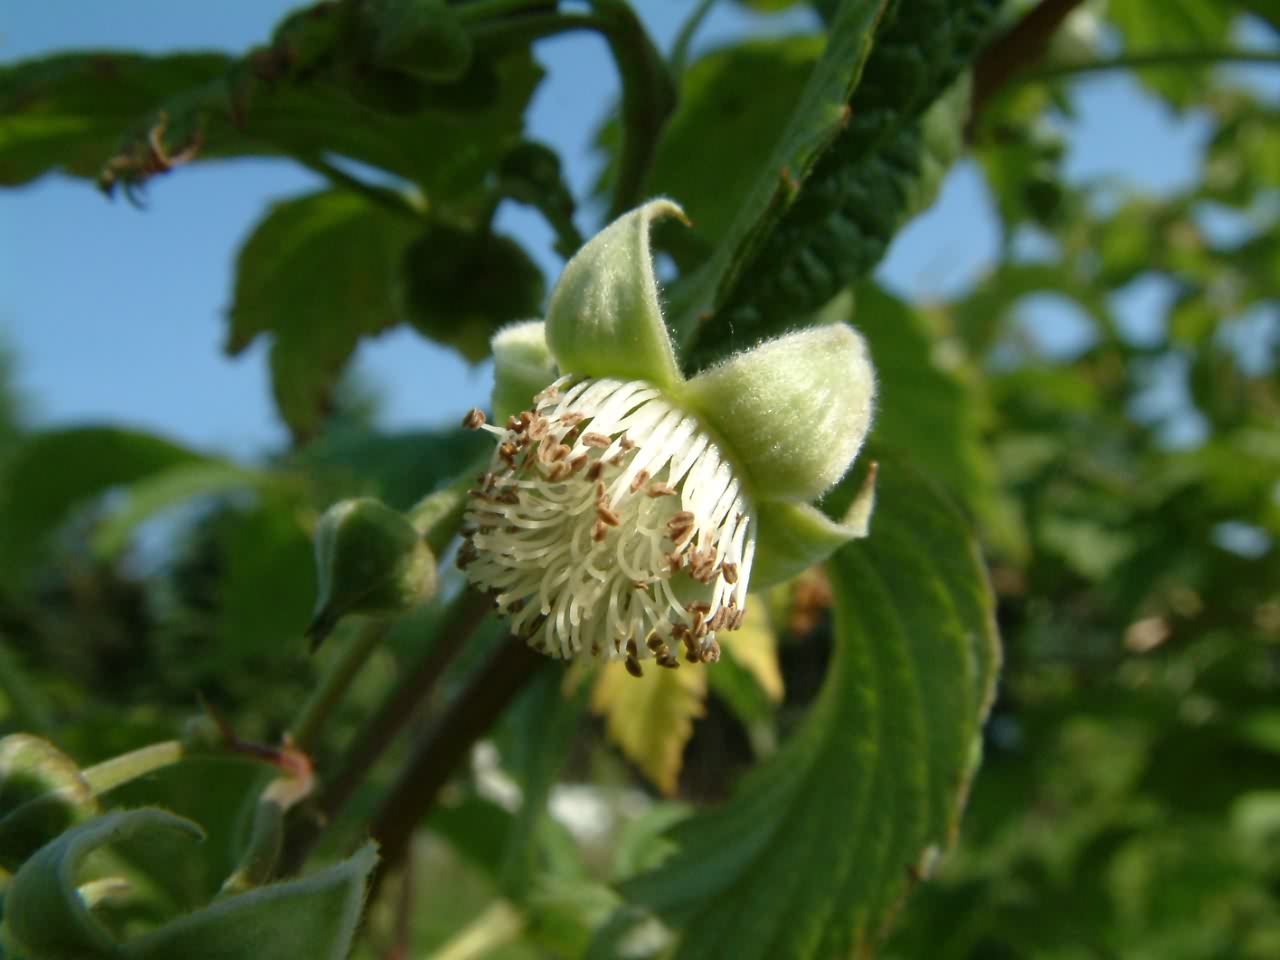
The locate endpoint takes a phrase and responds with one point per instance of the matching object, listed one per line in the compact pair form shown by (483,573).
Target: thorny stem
(1153,60)
(490,9)
(497,926)
(119,770)
(465,613)
(396,201)
(648,99)
(464,722)
(337,680)
(684,39)
(1019,47)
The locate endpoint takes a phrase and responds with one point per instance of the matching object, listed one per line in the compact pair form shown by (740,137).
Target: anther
(633,667)
(474,419)
(596,440)
(639,480)
(657,489)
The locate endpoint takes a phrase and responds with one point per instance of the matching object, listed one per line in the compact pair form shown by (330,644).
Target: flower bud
(370,560)
(522,365)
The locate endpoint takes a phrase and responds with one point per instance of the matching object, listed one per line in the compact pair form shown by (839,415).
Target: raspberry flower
(625,507)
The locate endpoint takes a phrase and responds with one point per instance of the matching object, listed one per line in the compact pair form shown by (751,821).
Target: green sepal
(604,318)
(522,366)
(42,793)
(44,915)
(791,537)
(370,559)
(793,411)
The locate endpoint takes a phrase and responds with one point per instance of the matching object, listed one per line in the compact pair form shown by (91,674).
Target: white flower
(610,525)
(620,514)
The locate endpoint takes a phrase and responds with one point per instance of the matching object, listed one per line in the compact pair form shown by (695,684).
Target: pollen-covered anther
(608,515)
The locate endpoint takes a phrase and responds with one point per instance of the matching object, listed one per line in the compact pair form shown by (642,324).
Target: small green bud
(522,365)
(794,411)
(604,317)
(369,559)
(42,793)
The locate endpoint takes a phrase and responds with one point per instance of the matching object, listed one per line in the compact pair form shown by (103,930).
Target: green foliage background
(1128,801)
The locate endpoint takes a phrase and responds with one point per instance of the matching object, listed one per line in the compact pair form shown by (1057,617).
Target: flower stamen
(610,525)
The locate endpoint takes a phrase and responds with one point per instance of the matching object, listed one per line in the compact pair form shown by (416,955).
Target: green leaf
(731,101)
(461,286)
(421,37)
(67,112)
(868,792)
(818,115)
(42,793)
(43,913)
(267,588)
(650,717)
(50,474)
(318,273)
(1172,25)
(920,398)
(71,111)
(540,729)
(398,468)
(885,162)
(313,917)
(169,488)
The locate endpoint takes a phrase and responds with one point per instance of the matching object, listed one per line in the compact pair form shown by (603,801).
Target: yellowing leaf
(754,647)
(650,718)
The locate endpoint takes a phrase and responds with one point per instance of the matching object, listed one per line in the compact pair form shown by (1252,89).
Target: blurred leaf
(1172,25)
(904,126)
(27,706)
(748,677)
(398,468)
(642,842)
(42,793)
(982,317)
(732,100)
(460,286)
(530,173)
(52,473)
(421,37)
(44,915)
(755,648)
(267,591)
(67,112)
(819,113)
(651,717)
(919,397)
(150,495)
(314,916)
(539,732)
(318,273)
(868,792)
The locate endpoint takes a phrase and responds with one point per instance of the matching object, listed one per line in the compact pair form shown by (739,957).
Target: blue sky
(117,314)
